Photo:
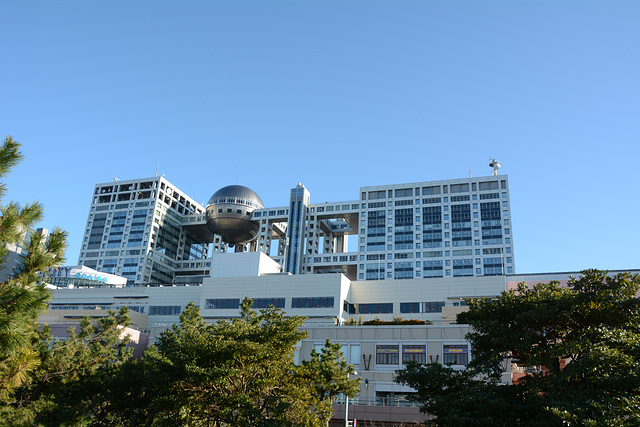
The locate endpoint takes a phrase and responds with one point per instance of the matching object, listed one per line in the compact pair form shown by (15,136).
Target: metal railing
(378,401)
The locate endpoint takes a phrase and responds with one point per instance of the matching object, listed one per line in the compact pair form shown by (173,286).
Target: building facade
(135,229)
(150,232)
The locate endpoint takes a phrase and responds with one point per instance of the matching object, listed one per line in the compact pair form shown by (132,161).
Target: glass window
(414,353)
(387,355)
(355,356)
(455,354)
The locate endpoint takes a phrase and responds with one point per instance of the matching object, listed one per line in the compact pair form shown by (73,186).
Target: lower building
(414,319)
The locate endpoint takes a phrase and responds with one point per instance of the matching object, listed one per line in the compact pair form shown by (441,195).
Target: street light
(346,405)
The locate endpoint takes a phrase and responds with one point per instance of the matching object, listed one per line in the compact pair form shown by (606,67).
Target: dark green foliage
(44,382)
(66,386)
(396,321)
(235,373)
(584,340)
(22,297)
(328,372)
(457,398)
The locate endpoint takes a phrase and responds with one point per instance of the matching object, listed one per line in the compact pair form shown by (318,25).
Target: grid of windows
(432,268)
(487,196)
(462,267)
(431,200)
(109,266)
(491,224)
(461,225)
(97,229)
(403,270)
(493,266)
(432,227)
(404,229)
(375,231)
(375,271)
(168,237)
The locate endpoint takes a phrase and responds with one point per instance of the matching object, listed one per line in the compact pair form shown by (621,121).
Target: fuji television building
(421,250)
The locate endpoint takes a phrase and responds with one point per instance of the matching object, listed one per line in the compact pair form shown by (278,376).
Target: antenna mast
(495,165)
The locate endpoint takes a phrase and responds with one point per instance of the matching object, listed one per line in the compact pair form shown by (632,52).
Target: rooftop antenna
(157,167)
(495,165)
(470,173)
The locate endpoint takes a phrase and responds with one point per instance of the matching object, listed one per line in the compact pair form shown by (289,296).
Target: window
(222,303)
(414,353)
(459,188)
(375,308)
(491,185)
(427,191)
(266,302)
(387,355)
(404,192)
(164,310)
(455,354)
(422,307)
(312,302)
(354,356)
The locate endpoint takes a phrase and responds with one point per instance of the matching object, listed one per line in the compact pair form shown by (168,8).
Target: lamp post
(346,405)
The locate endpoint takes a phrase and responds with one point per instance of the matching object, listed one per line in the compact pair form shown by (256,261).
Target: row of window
(300,302)
(435,272)
(390,354)
(436,189)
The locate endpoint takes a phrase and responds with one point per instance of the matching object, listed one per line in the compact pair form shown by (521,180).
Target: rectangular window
(404,192)
(414,353)
(427,191)
(422,307)
(266,302)
(455,354)
(164,310)
(375,308)
(459,188)
(354,356)
(312,302)
(491,185)
(222,303)
(387,355)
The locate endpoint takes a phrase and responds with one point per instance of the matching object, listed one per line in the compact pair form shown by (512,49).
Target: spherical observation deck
(229,213)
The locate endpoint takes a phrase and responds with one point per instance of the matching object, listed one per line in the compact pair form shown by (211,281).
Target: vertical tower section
(135,229)
(449,228)
(298,208)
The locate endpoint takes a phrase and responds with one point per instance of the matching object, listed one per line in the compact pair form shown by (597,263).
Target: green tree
(66,386)
(328,372)
(457,398)
(239,372)
(231,373)
(22,297)
(584,341)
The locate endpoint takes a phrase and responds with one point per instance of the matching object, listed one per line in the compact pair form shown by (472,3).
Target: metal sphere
(229,213)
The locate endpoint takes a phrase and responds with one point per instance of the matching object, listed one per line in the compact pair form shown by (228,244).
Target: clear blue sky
(336,95)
